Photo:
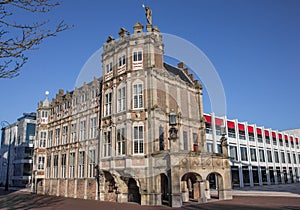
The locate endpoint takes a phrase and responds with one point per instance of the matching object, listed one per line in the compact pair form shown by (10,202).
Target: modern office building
(259,155)
(17,146)
(135,135)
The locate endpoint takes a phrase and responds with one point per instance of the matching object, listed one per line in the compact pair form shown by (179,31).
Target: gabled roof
(176,71)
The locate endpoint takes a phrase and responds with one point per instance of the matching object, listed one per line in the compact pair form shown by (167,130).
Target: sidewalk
(282,190)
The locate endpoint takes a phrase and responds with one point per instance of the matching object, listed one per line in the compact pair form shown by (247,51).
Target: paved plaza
(266,197)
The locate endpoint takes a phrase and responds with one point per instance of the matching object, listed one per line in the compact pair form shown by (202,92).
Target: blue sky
(253,44)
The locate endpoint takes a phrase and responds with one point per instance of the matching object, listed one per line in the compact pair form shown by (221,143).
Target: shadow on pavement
(22,200)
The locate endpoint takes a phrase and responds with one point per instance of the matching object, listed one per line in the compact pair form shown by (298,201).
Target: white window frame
(121,142)
(50,138)
(41,163)
(138,96)
(43,137)
(93,127)
(107,144)
(109,67)
(108,104)
(55,166)
(63,165)
(82,131)
(137,56)
(57,136)
(81,164)
(121,61)
(48,172)
(92,162)
(73,132)
(72,157)
(65,134)
(138,139)
(121,106)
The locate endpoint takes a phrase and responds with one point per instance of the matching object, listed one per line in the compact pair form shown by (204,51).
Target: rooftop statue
(148,14)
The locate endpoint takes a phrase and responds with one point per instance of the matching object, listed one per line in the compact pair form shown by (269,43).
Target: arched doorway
(215,184)
(164,186)
(109,187)
(133,191)
(190,187)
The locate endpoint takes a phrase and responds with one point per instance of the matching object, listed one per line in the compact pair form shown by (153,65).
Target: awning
(230,125)
(273,134)
(280,136)
(250,129)
(258,130)
(241,127)
(267,133)
(286,137)
(207,118)
(297,140)
(292,139)
(219,121)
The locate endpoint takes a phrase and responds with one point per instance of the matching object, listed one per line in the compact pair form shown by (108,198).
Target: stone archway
(164,186)
(190,187)
(133,191)
(214,185)
(109,187)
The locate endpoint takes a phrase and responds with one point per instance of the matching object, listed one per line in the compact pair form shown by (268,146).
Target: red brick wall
(54,187)
(71,185)
(62,187)
(80,188)
(91,189)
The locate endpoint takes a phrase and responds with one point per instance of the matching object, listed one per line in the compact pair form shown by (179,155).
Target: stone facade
(141,156)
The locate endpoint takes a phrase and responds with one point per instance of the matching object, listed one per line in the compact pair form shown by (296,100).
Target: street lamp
(8,152)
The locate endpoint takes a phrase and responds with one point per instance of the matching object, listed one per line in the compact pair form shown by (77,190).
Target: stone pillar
(151,199)
(66,187)
(225,191)
(202,186)
(196,187)
(175,182)
(176,200)
(122,197)
(57,187)
(75,188)
(207,190)
(149,27)
(102,190)
(184,191)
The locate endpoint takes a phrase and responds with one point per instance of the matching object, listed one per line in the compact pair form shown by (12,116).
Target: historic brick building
(140,131)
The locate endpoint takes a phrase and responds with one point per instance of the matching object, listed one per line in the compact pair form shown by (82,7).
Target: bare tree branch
(14,47)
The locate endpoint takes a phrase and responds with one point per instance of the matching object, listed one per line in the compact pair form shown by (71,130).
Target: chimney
(191,76)
(186,70)
(197,84)
(110,39)
(138,28)
(122,32)
(180,65)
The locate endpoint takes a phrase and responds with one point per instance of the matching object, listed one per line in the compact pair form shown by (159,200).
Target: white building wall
(267,169)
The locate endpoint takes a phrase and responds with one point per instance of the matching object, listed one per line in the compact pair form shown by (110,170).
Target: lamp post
(8,152)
